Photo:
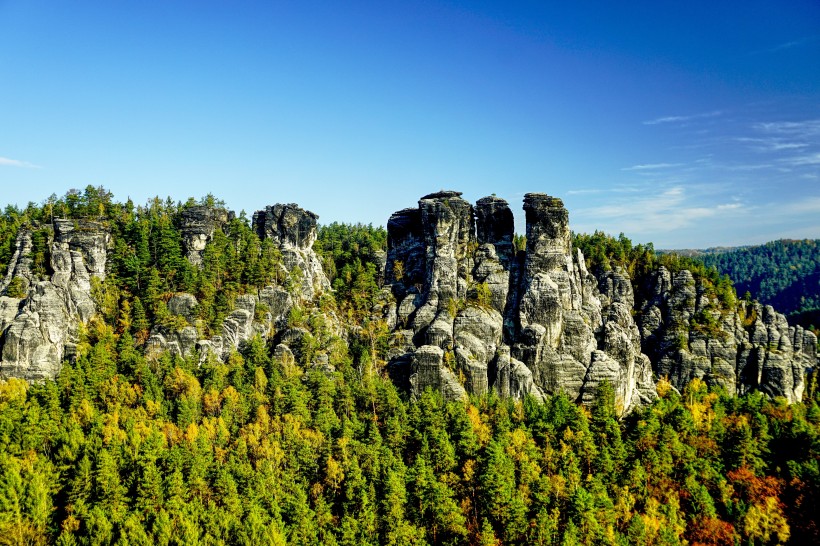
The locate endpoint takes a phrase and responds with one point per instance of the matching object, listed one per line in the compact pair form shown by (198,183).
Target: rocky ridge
(41,328)
(477,315)
(751,347)
(468,311)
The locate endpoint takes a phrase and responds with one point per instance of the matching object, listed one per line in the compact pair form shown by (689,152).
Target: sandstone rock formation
(468,312)
(293,232)
(293,229)
(752,347)
(198,224)
(475,315)
(482,317)
(39,329)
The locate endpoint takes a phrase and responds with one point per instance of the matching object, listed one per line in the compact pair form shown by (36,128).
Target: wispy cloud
(717,195)
(804,129)
(665,211)
(793,44)
(620,188)
(652,166)
(810,205)
(803,160)
(6,162)
(681,119)
(745,167)
(771,144)
(586,191)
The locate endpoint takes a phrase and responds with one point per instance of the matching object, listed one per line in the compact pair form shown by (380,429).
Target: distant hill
(698,252)
(784,274)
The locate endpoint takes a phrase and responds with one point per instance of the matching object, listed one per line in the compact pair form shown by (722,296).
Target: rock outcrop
(19,269)
(468,311)
(484,317)
(476,315)
(751,347)
(39,329)
(293,230)
(197,224)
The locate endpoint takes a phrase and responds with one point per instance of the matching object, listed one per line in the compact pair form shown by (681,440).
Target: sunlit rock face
(40,318)
(41,328)
(472,309)
(750,348)
(469,312)
(521,323)
(293,230)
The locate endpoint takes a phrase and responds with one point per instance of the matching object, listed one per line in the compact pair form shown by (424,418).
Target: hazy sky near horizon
(686,124)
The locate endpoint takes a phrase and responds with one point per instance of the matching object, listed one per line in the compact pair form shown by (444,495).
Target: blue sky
(685,124)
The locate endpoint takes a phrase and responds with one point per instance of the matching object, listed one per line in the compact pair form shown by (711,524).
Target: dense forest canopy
(784,274)
(264,448)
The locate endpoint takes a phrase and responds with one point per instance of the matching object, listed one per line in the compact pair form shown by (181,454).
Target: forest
(784,274)
(126,447)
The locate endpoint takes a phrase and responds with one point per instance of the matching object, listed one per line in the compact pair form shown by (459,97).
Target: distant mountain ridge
(783,273)
(697,252)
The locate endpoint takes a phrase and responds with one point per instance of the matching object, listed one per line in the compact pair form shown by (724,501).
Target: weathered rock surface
(467,311)
(197,224)
(20,263)
(293,230)
(430,370)
(472,310)
(751,348)
(523,324)
(38,329)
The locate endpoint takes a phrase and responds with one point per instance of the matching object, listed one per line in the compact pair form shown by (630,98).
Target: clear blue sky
(689,124)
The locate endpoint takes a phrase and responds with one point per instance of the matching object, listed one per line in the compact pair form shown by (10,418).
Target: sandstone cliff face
(476,315)
(198,224)
(38,329)
(293,230)
(752,347)
(468,312)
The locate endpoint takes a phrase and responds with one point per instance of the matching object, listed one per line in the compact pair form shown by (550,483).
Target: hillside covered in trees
(784,273)
(316,444)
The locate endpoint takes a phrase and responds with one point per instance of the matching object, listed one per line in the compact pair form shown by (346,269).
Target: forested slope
(267,446)
(784,273)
